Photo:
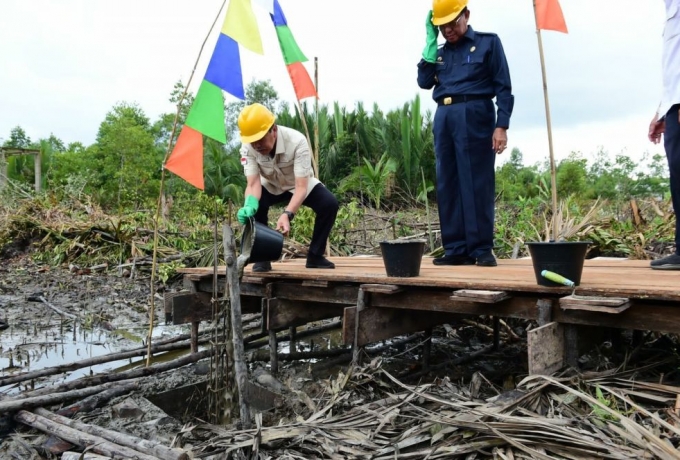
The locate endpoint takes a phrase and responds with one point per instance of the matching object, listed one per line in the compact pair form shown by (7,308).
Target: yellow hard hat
(445,11)
(254,122)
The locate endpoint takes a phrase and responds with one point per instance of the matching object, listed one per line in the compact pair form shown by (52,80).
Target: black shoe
(261,267)
(454,260)
(486,260)
(319,262)
(671,262)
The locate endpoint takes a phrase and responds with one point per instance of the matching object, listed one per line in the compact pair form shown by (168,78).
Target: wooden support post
(496,333)
(3,170)
(273,352)
(544,307)
(194,337)
(427,349)
(234,268)
(571,345)
(292,342)
(361,304)
(545,346)
(38,172)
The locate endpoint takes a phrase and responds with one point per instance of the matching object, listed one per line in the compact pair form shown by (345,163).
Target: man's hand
(248,210)
(283,224)
(430,51)
(656,129)
(500,140)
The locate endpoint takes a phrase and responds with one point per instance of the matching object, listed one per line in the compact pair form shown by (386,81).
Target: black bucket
(260,243)
(563,257)
(402,258)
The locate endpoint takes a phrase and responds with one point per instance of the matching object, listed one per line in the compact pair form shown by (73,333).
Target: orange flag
(549,16)
(186,159)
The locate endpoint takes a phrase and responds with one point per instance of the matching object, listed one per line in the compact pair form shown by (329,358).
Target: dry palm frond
(545,417)
(567,226)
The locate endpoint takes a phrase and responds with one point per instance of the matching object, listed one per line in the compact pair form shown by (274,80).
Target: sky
(64,64)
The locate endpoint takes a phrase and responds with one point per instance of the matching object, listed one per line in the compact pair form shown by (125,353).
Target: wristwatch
(291,215)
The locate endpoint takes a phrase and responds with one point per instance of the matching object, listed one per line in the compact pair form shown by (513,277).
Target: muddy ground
(51,316)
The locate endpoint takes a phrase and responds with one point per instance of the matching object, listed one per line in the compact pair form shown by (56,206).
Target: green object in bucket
(554,277)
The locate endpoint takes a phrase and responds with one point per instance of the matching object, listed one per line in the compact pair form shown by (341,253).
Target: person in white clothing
(666,122)
(277,164)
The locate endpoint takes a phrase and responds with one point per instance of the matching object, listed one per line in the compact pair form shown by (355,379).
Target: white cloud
(65,64)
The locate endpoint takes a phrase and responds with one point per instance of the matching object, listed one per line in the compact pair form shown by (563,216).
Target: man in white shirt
(667,121)
(278,167)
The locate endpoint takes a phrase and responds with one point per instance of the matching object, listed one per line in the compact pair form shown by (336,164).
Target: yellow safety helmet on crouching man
(254,122)
(445,11)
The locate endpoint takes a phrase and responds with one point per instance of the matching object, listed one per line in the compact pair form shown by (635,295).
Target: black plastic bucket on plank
(562,257)
(402,258)
(260,243)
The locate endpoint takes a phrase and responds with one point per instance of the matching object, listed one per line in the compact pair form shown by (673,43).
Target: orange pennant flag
(549,16)
(186,159)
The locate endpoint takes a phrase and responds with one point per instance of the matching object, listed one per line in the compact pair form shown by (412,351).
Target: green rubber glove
(248,210)
(430,51)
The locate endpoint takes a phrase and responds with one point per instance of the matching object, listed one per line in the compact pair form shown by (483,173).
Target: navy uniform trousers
(672,147)
(320,200)
(463,143)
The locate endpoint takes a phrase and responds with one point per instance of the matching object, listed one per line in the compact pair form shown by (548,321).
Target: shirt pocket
(672,28)
(441,71)
(473,65)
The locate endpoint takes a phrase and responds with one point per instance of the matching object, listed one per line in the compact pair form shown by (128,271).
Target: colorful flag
(549,16)
(292,55)
(206,116)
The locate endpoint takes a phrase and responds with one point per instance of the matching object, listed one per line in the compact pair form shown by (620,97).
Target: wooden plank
(422,300)
(283,313)
(621,278)
(192,307)
(315,283)
(645,316)
(167,303)
(592,300)
(546,349)
(479,295)
(340,294)
(593,307)
(377,324)
(253,279)
(382,288)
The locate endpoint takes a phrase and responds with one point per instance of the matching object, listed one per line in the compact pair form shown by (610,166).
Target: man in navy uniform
(667,122)
(467,73)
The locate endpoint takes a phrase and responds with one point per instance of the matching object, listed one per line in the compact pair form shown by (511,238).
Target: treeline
(383,159)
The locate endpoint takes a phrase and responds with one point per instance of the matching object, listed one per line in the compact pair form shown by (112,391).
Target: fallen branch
(142,445)
(44,300)
(96,361)
(92,402)
(95,443)
(55,397)
(118,376)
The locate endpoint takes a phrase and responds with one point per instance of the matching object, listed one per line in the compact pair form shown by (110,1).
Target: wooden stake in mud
(553,173)
(234,269)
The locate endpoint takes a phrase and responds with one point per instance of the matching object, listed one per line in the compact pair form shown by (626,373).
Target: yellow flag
(241,25)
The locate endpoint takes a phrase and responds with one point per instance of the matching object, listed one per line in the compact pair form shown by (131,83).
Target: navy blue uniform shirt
(475,65)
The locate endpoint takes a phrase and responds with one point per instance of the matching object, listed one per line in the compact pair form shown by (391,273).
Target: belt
(448,100)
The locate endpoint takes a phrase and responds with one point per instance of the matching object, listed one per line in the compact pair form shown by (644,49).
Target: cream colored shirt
(671,58)
(292,159)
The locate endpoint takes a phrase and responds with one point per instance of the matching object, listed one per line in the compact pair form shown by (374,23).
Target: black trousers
(320,200)
(672,146)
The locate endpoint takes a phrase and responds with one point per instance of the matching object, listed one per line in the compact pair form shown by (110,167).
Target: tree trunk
(96,444)
(127,440)
(233,271)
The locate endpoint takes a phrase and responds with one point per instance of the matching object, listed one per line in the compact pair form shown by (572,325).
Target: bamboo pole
(553,172)
(316,116)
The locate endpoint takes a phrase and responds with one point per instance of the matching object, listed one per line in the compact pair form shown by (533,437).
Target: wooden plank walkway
(603,277)
(376,307)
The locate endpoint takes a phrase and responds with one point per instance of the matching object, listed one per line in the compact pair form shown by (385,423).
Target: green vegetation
(97,201)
